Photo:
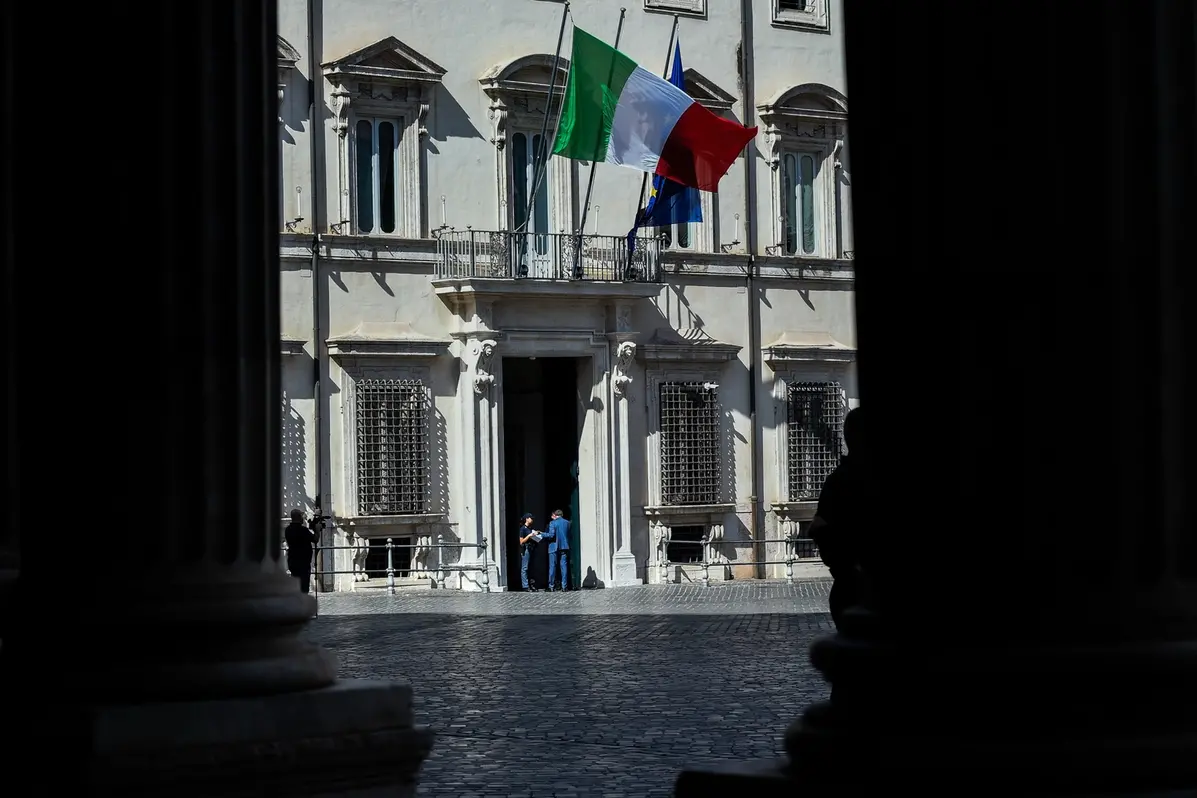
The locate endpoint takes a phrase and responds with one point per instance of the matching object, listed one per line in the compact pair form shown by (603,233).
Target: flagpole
(590,183)
(677,18)
(544,124)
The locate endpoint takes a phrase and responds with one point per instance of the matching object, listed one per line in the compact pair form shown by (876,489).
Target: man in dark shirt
(300,537)
(839,525)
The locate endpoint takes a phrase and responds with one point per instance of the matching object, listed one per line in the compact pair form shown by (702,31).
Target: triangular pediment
(707,92)
(387,60)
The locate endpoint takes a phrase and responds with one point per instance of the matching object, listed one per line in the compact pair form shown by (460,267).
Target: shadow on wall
(438,500)
(294,457)
(451,121)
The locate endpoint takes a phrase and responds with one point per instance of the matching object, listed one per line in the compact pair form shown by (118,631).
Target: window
(376,166)
(806,131)
(685,544)
(799,173)
(376,557)
(690,448)
(392,447)
(808,15)
(527,157)
(677,236)
(696,8)
(815,436)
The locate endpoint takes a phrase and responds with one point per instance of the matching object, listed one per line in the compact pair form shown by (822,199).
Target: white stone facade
(425,113)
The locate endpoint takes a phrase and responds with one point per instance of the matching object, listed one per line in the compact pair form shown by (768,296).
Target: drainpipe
(747,93)
(315,139)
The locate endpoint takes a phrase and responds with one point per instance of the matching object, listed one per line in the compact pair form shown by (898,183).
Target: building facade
(466,339)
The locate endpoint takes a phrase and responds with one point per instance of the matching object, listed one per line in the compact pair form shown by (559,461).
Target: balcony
(506,255)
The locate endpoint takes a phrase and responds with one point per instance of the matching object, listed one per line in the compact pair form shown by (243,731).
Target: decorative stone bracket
(625,355)
(483,352)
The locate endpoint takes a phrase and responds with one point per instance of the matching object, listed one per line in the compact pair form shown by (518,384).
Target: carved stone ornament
(625,355)
(341,100)
(483,379)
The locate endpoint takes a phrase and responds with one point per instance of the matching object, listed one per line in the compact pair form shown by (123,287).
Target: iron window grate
(392,447)
(690,446)
(815,432)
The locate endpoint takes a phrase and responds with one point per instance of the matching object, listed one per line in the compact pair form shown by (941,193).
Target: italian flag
(618,112)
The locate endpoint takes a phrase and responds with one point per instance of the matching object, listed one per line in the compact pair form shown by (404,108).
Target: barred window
(392,447)
(815,433)
(690,445)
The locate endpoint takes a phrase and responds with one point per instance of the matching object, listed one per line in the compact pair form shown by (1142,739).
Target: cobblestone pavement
(593,693)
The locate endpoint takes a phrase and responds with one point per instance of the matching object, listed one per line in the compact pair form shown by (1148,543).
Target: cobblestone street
(594,693)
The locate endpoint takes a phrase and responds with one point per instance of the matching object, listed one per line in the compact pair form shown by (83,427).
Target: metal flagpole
(542,151)
(544,125)
(665,74)
(590,183)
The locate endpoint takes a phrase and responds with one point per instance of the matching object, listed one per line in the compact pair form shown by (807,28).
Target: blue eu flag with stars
(669,203)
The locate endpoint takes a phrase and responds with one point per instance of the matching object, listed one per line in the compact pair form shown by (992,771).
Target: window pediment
(794,347)
(690,345)
(386,63)
(288,57)
(810,110)
(518,90)
(386,339)
(707,92)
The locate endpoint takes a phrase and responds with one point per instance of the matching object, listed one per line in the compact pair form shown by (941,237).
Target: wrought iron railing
(547,256)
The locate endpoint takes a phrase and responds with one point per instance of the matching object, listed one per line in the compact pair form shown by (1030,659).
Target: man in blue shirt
(558,537)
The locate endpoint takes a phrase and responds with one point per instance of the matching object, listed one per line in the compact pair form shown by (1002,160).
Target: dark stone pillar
(182,669)
(1025,187)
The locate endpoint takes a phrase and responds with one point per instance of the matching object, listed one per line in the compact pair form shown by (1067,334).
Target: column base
(623,570)
(775,778)
(351,738)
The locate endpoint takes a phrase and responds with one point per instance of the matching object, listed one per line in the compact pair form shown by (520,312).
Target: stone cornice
(451,289)
(769,267)
(386,339)
(670,510)
(363,250)
(800,347)
(292,346)
(362,523)
(686,346)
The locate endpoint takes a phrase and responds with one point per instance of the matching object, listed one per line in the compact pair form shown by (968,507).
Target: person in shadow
(300,538)
(838,528)
(529,538)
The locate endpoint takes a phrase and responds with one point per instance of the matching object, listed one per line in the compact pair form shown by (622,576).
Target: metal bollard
(791,548)
(390,569)
(706,559)
(485,569)
(440,559)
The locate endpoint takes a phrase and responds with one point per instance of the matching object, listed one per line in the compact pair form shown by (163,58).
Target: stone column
(624,561)
(186,670)
(480,461)
(1045,638)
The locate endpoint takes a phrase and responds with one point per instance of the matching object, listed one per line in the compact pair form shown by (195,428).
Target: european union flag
(669,203)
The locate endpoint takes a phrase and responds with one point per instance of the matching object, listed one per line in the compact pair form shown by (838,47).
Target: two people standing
(557,537)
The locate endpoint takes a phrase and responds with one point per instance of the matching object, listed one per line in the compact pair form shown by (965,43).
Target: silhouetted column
(187,671)
(1034,618)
